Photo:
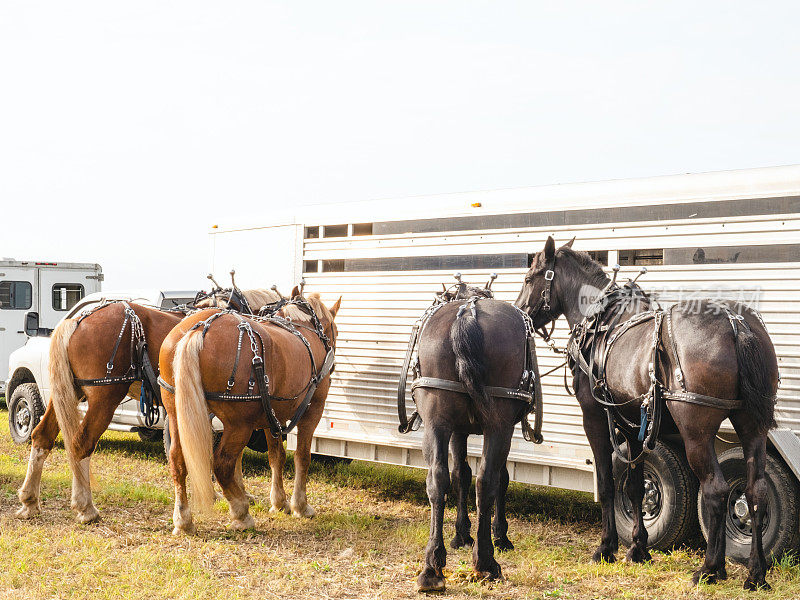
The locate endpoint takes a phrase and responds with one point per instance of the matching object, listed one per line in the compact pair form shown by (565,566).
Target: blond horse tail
(63,394)
(194,428)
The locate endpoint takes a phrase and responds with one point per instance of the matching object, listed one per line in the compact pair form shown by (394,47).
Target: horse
(288,356)
(710,362)
(476,374)
(103,355)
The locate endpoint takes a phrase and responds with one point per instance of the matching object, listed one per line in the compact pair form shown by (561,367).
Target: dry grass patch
(366,541)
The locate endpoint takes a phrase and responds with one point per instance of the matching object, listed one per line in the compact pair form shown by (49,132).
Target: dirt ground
(367,540)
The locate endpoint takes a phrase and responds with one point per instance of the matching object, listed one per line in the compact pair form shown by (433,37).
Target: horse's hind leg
(460,482)
(42,440)
(698,430)
(182,515)
(637,553)
(435,444)
(496,445)
(500,523)
(103,401)
(754,446)
(226,459)
(277,457)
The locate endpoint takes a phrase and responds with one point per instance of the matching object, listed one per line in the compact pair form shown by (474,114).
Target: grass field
(366,541)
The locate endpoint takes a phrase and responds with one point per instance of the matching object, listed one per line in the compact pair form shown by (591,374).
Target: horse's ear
(549,248)
(568,244)
(335,308)
(295,292)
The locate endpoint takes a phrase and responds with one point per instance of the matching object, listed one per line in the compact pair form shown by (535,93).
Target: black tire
(149,435)
(25,410)
(670,498)
(782,517)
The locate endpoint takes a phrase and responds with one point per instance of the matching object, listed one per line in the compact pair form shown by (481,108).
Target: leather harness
(528,391)
(258,384)
(589,347)
(140,369)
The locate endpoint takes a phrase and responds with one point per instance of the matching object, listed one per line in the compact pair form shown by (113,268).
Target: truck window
(66,295)
(16,295)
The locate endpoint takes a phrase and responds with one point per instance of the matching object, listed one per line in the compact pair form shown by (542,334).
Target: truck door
(59,291)
(17,297)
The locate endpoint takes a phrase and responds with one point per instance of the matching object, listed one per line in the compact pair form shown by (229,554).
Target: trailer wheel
(669,506)
(781,519)
(25,410)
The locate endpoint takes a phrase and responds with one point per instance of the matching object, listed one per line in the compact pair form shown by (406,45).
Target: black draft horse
(482,345)
(737,365)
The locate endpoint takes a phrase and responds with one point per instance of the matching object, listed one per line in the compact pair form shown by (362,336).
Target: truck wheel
(781,518)
(149,435)
(670,494)
(25,410)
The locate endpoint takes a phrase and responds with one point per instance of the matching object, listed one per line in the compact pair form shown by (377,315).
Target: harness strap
(457,386)
(407,424)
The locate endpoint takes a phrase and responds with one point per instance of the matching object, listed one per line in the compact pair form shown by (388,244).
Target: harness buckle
(257,360)
(549,274)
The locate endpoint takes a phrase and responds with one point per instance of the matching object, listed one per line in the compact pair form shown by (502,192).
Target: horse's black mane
(591,266)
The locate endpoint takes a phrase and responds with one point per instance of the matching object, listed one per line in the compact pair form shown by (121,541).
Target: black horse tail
(467,339)
(756,388)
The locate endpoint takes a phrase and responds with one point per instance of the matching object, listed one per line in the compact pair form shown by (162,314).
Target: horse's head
(557,277)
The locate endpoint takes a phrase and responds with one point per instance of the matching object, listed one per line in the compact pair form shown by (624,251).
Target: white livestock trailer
(733,234)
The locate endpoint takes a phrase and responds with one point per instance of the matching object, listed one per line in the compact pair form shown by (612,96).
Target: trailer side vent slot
(334,231)
(600,256)
(311,233)
(310,266)
(362,228)
(335,265)
(652,256)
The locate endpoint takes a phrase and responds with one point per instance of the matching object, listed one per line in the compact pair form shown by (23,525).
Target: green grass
(367,540)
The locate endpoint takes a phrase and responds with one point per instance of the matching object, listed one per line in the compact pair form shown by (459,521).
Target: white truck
(35,296)
(28,388)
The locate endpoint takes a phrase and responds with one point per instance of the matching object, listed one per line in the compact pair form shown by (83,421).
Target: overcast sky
(128,128)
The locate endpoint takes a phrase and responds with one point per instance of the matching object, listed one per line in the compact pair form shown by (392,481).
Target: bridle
(543,304)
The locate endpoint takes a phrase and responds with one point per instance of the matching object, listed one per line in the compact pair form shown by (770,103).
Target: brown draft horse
(83,352)
(699,350)
(198,359)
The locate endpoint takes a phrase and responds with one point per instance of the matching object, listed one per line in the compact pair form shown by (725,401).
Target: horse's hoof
(638,554)
(492,573)
(460,541)
(28,511)
(754,585)
(709,577)
(88,516)
(189,529)
(277,509)
(503,544)
(603,555)
(430,581)
(241,524)
(306,512)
